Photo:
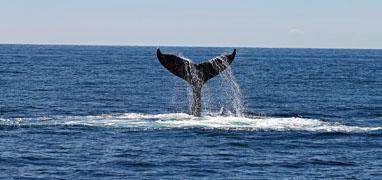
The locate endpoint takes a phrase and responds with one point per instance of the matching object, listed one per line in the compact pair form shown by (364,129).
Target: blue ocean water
(114,112)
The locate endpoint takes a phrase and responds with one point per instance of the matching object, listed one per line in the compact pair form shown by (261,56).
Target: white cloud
(296,31)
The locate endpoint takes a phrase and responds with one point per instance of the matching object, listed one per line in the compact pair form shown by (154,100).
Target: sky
(232,23)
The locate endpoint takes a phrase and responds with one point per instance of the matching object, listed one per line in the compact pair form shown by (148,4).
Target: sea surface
(114,112)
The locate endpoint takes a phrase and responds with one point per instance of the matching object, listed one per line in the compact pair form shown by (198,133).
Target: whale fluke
(195,74)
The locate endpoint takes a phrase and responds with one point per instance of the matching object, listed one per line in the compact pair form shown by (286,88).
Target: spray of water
(223,96)
(231,102)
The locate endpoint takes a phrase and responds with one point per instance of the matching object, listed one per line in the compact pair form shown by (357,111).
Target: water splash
(201,96)
(232,90)
(142,122)
(229,96)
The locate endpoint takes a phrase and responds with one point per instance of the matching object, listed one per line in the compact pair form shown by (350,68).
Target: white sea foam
(182,120)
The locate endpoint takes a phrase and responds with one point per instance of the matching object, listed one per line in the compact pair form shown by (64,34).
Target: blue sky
(249,23)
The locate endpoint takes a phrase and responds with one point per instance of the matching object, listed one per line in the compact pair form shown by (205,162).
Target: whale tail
(195,74)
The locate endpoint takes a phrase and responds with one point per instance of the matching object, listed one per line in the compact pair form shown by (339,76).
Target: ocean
(114,112)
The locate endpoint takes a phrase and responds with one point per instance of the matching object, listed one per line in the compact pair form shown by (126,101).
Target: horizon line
(196,46)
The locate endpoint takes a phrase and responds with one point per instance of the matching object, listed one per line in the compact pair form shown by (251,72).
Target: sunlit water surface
(88,112)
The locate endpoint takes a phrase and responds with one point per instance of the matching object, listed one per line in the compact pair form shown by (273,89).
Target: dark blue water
(89,112)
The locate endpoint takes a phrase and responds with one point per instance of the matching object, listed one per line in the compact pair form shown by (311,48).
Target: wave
(182,120)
